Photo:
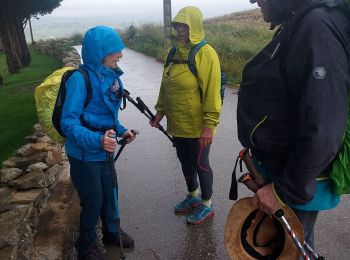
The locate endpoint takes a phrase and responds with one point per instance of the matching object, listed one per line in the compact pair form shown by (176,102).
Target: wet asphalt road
(151,182)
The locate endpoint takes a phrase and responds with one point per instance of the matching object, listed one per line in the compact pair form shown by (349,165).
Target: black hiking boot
(127,240)
(95,252)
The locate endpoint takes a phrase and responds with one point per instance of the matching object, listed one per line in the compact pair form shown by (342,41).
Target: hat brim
(235,219)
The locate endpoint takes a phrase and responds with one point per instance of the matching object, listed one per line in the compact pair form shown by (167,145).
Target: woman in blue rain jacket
(88,141)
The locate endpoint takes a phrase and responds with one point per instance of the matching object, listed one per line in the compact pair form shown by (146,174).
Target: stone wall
(26,179)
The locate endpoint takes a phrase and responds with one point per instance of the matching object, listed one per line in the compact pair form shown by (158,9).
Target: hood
(193,17)
(99,42)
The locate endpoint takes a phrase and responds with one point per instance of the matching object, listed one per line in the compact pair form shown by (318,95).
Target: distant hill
(247,17)
(57,27)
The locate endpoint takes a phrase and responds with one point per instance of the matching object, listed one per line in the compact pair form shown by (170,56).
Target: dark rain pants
(195,162)
(93,183)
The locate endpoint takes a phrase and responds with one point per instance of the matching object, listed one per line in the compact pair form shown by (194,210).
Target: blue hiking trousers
(92,180)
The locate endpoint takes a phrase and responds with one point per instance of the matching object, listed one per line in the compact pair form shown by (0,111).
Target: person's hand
(265,200)
(129,135)
(108,142)
(206,137)
(157,118)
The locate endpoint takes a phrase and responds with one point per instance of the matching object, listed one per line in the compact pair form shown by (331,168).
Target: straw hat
(252,234)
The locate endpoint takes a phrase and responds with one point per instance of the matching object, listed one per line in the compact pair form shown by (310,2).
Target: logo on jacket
(319,73)
(115,87)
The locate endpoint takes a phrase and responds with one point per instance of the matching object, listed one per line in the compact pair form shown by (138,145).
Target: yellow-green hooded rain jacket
(191,103)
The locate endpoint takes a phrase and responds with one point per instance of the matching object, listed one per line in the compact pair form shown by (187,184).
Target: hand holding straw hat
(254,181)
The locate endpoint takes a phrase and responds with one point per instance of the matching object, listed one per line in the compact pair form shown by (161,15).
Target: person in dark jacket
(88,138)
(293,105)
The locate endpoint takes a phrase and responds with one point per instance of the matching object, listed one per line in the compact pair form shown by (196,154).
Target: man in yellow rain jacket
(192,106)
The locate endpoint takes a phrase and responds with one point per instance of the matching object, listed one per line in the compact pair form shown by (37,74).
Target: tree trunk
(15,45)
(25,57)
(13,63)
(18,42)
(1,80)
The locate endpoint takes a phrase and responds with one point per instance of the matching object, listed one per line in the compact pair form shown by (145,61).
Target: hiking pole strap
(280,215)
(233,195)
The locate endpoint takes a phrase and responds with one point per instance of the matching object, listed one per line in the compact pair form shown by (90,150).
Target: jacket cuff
(277,196)
(209,124)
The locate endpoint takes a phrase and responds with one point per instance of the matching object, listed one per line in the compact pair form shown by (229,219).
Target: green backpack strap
(192,55)
(190,60)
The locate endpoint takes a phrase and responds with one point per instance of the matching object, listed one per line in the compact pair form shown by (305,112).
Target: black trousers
(195,165)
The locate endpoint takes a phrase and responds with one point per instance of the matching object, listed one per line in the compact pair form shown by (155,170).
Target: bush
(147,38)
(58,47)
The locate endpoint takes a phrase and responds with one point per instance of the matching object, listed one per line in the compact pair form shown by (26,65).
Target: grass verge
(17,106)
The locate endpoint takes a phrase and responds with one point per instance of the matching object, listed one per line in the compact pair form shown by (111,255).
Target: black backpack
(61,96)
(191,64)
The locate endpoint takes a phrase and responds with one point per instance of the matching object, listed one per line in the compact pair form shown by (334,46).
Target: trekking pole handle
(248,161)
(143,105)
(247,180)
(151,116)
(124,140)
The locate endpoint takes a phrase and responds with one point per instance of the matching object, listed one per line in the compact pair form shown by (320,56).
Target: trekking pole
(280,215)
(313,253)
(140,105)
(248,180)
(114,179)
(123,143)
(160,127)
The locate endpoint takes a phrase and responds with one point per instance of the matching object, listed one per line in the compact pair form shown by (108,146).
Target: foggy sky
(144,10)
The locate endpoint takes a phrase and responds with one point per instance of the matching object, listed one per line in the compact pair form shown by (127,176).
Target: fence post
(167,21)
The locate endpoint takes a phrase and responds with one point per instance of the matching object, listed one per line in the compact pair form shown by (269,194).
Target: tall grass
(17,106)
(235,42)
(147,38)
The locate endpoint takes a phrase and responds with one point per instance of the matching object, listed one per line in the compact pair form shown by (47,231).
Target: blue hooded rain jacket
(102,111)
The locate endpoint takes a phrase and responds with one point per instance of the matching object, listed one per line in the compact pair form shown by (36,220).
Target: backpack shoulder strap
(192,55)
(170,57)
(87,84)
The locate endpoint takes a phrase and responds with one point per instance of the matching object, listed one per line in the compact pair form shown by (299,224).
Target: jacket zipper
(254,129)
